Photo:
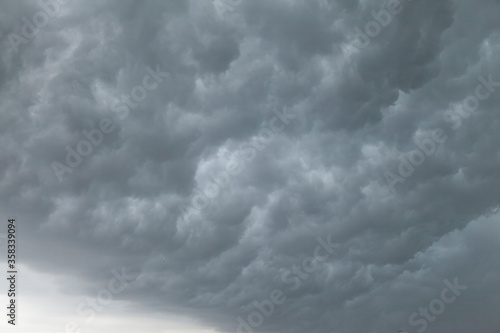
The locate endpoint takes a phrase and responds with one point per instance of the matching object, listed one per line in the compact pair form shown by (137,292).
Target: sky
(213,166)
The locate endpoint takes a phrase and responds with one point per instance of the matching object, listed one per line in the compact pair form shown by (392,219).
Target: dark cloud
(322,175)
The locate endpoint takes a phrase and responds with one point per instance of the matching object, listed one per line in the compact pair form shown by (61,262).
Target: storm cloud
(277,166)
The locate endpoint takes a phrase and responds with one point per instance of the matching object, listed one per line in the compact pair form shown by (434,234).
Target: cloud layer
(323,174)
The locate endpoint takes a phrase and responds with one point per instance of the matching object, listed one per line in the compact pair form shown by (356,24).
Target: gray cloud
(320,176)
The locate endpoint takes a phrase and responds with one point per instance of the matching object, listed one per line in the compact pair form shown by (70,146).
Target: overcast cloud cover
(314,124)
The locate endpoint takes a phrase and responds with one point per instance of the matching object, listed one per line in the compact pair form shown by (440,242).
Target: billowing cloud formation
(240,132)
